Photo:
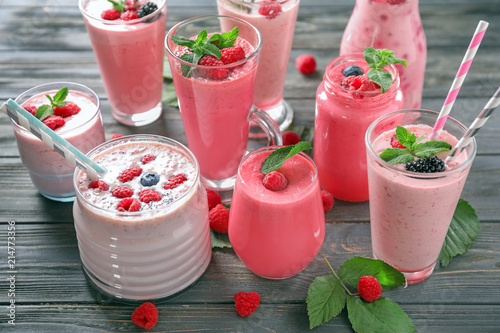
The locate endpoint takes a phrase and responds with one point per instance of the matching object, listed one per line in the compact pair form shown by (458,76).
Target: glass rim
(163,5)
(140,138)
(261,3)
(417,175)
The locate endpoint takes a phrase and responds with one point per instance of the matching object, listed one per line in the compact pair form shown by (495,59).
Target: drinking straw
(481,119)
(459,79)
(51,138)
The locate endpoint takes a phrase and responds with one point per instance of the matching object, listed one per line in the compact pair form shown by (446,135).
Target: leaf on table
(463,231)
(169,97)
(325,299)
(219,240)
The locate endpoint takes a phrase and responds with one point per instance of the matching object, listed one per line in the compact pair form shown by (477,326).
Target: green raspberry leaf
(380,77)
(44,111)
(396,156)
(276,159)
(354,268)
(219,240)
(225,39)
(183,41)
(430,148)
(325,299)
(383,315)
(463,231)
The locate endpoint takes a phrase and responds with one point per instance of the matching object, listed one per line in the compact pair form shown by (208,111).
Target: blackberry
(352,70)
(427,165)
(146,9)
(150,179)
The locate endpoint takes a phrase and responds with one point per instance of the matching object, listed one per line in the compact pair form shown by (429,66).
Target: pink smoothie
(130,58)
(277,36)
(50,172)
(277,233)
(342,117)
(410,212)
(158,250)
(396,27)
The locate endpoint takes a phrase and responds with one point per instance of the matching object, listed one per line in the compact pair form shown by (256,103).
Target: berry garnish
(369,288)
(99,184)
(352,70)
(175,181)
(306,64)
(213,199)
(145,316)
(212,73)
(129,174)
(131,5)
(122,192)
(359,83)
(30,108)
(149,195)
(116,136)
(270,9)
(70,109)
(54,122)
(129,15)
(147,158)
(149,179)
(426,165)
(246,303)
(328,200)
(146,9)
(290,138)
(276,159)
(111,14)
(47,111)
(395,143)
(218,218)
(128,205)
(232,54)
(395,2)
(377,59)
(275,181)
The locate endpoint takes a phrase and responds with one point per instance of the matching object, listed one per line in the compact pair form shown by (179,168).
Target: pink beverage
(50,172)
(410,212)
(130,57)
(342,117)
(393,25)
(276,22)
(143,235)
(277,233)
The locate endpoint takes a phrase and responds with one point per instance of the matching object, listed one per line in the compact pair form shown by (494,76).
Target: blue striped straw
(481,119)
(52,139)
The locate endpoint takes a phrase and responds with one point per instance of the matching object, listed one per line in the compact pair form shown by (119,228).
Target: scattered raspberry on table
(145,315)
(306,64)
(246,303)
(369,288)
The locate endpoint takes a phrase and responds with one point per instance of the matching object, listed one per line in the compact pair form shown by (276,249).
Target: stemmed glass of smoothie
(412,204)
(216,93)
(276,22)
(128,45)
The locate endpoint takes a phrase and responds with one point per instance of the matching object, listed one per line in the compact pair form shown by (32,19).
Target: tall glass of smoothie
(345,107)
(276,22)
(410,212)
(216,98)
(142,228)
(79,123)
(129,52)
(277,233)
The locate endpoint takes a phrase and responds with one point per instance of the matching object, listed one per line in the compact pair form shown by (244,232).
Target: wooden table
(44,41)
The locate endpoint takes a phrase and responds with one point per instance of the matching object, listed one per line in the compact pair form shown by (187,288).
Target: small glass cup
(216,112)
(276,234)
(150,254)
(130,58)
(410,212)
(50,172)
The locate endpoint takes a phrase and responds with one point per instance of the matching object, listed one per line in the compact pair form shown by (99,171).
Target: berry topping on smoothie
(146,9)
(54,122)
(147,158)
(122,192)
(150,179)
(70,109)
(129,15)
(31,109)
(352,70)
(360,83)
(395,143)
(426,165)
(232,54)
(128,205)
(215,73)
(129,174)
(175,181)
(99,184)
(275,181)
(111,14)
(149,195)
(128,10)
(270,9)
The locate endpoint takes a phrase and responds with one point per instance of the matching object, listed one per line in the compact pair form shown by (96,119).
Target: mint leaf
(183,41)
(191,58)
(383,315)
(463,231)
(396,156)
(225,39)
(305,133)
(429,148)
(219,240)
(61,95)
(354,268)
(381,77)
(276,159)
(377,59)
(44,111)
(405,137)
(325,299)
(118,5)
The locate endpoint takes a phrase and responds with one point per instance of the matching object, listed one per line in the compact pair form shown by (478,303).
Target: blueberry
(352,70)
(150,179)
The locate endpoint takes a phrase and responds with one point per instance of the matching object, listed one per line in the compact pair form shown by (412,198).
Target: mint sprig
(413,148)
(276,159)
(118,5)
(45,110)
(377,59)
(226,39)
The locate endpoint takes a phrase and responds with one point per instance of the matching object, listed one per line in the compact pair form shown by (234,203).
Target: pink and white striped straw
(459,79)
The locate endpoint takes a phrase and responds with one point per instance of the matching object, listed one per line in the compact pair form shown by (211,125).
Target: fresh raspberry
(360,83)
(218,218)
(290,138)
(147,158)
(149,195)
(122,192)
(213,199)
(129,15)
(111,14)
(100,184)
(70,109)
(54,122)
(275,181)
(328,200)
(129,205)
(246,303)
(212,73)
(31,109)
(175,181)
(145,316)
(395,2)
(306,64)
(369,288)
(269,9)
(131,5)
(129,174)
(116,136)
(232,54)
(395,143)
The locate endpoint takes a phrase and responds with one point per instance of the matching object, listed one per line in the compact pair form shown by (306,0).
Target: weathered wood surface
(42,41)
